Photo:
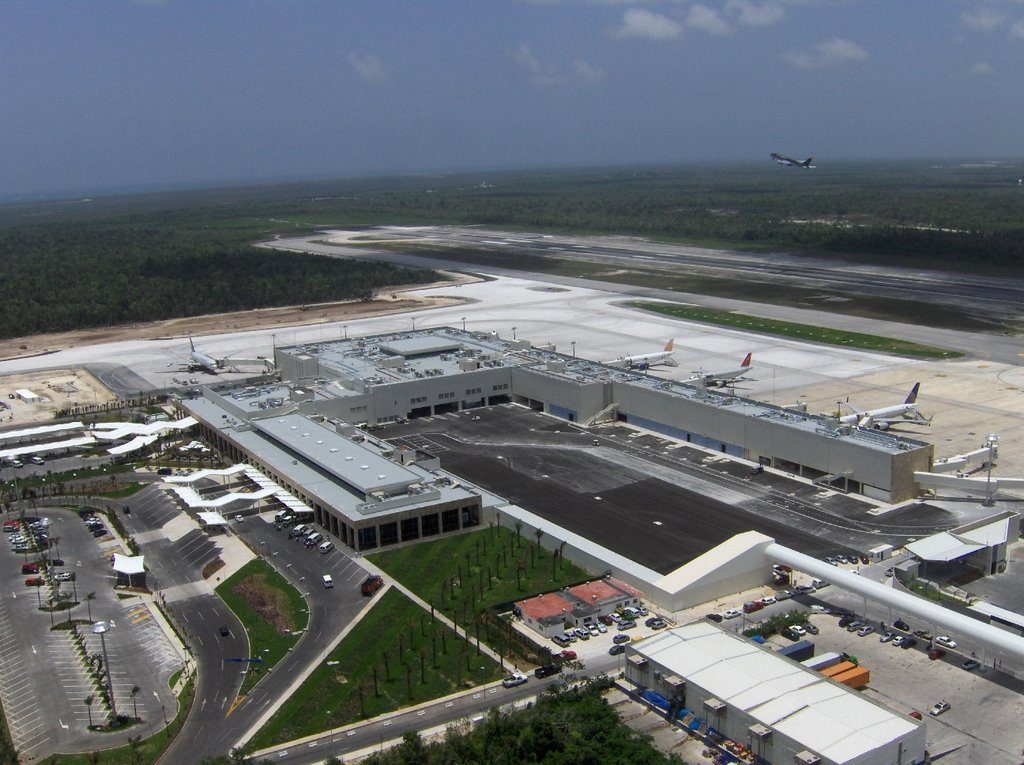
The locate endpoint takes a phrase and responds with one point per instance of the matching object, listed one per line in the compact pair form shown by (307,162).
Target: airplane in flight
(721,379)
(782,159)
(887,416)
(647,360)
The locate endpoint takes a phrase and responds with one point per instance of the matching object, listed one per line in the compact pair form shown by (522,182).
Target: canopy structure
(212,519)
(191,498)
(129,565)
(113,431)
(134,445)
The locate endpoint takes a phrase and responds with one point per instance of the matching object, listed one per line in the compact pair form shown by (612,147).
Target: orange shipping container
(855,678)
(838,669)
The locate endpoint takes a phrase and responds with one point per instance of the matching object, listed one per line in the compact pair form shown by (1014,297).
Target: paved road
(1000,348)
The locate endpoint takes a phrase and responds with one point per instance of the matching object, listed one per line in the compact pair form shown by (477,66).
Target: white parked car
(797,629)
(732,613)
(767,601)
(945,641)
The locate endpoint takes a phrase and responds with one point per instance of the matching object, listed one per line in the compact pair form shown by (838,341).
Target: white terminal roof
(363,469)
(829,719)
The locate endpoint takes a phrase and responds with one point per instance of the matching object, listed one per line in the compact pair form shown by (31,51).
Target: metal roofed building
(364,492)
(782,711)
(384,378)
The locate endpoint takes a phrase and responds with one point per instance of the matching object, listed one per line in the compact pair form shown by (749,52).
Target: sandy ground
(395,300)
(57,389)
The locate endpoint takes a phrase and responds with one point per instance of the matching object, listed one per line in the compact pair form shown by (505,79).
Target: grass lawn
(270,610)
(143,752)
(415,659)
(464,575)
(799,331)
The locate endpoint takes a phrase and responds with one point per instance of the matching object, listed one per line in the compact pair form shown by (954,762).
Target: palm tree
(88,705)
(135,707)
(89,598)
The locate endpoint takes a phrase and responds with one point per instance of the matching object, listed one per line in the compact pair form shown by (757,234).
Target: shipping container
(799,651)
(838,669)
(826,660)
(857,677)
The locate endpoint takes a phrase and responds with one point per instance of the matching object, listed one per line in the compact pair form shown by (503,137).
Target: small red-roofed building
(578,606)
(547,614)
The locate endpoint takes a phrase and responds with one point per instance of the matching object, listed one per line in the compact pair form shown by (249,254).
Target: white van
(328,582)
(298,531)
(326,547)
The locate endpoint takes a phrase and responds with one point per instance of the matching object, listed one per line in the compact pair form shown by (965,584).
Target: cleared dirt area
(391,301)
(57,389)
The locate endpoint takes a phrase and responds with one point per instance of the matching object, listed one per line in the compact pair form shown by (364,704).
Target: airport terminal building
(381,379)
(308,432)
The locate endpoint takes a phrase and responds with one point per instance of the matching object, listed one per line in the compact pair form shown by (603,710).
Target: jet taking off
(721,379)
(647,360)
(782,159)
(882,419)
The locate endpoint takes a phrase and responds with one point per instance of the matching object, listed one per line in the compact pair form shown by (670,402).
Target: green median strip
(272,612)
(396,656)
(808,332)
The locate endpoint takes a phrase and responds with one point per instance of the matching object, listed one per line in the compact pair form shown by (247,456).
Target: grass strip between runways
(807,332)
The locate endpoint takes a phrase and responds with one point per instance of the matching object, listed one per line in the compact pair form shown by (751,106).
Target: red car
(29,568)
(34,581)
(565,656)
(752,605)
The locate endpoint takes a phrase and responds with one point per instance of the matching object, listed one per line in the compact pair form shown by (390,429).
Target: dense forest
(110,260)
(64,276)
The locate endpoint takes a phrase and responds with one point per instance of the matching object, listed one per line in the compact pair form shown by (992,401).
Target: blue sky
(116,94)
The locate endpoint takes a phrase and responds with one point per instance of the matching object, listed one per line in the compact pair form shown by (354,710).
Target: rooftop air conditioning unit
(806,758)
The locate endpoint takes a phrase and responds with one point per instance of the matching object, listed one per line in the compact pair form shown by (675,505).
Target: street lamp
(329,725)
(99,628)
(513,333)
(573,348)
(992,443)
(344,328)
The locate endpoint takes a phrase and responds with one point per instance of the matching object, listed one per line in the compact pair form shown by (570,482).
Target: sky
(138,94)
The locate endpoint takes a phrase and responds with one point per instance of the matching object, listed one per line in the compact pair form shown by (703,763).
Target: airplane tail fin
(746,360)
(669,345)
(912,398)
(807,162)
(192,342)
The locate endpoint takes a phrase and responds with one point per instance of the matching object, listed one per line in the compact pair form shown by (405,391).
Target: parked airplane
(782,159)
(201,362)
(646,360)
(882,419)
(721,379)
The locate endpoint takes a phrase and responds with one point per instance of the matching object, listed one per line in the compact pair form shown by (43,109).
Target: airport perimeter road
(999,348)
(377,732)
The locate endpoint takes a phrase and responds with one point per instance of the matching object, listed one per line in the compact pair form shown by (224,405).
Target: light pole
(573,348)
(99,628)
(513,333)
(463,320)
(329,725)
(992,442)
(344,328)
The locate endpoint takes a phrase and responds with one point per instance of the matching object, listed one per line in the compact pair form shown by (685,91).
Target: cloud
(540,73)
(637,22)
(983,19)
(982,69)
(587,72)
(368,67)
(827,54)
(751,14)
(707,20)
(1017,30)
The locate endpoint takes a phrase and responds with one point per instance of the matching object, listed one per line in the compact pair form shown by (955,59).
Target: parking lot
(44,680)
